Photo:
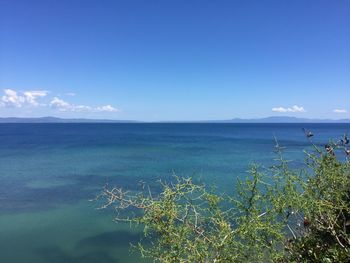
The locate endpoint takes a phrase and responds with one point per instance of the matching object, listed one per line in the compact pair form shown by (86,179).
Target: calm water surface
(49,172)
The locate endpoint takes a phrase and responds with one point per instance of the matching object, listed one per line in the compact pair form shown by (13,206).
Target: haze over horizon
(175,60)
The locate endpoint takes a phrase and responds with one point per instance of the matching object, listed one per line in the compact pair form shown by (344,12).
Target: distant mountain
(286,119)
(59,120)
(273,119)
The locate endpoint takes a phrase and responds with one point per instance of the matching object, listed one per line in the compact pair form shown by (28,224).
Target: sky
(175,59)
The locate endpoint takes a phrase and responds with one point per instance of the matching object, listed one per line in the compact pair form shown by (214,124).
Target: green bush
(278,214)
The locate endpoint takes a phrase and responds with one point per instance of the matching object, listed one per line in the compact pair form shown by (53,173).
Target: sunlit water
(49,172)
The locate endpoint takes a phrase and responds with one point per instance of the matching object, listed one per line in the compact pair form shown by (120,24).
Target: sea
(50,175)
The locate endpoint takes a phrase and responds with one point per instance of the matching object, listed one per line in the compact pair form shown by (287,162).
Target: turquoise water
(49,172)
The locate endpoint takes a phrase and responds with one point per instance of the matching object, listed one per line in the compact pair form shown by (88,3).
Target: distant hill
(273,119)
(286,119)
(59,120)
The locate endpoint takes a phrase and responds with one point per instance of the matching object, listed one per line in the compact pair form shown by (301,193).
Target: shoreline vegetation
(278,214)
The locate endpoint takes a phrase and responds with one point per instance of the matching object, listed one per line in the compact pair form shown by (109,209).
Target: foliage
(279,214)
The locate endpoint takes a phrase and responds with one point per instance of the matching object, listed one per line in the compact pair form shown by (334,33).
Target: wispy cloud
(12,98)
(107,108)
(71,94)
(294,108)
(31,96)
(340,111)
(15,99)
(61,105)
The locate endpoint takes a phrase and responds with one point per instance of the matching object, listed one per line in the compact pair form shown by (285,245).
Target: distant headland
(272,119)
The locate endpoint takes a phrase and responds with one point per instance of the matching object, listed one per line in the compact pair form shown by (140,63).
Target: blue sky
(175,60)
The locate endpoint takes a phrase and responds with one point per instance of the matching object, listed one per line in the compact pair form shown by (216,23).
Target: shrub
(278,214)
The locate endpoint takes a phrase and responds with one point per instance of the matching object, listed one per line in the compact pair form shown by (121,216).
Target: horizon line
(278,119)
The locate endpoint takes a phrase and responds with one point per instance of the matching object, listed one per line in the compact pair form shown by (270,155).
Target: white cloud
(71,94)
(279,109)
(82,108)
(62,105)
(294,108)
(340,111)
(31,96)
(107,108)
(12,98)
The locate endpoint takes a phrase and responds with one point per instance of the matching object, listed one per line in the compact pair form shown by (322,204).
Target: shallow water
(49,172)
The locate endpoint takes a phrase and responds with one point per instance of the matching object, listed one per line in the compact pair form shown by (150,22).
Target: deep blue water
(49,172)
